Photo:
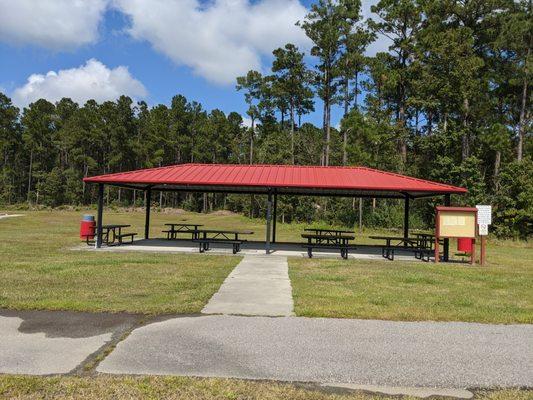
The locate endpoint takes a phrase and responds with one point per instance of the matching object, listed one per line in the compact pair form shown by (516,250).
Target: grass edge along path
(156,387)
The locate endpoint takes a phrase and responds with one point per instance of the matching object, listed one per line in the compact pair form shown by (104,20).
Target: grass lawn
(501,292)
(39,271)
(105,387)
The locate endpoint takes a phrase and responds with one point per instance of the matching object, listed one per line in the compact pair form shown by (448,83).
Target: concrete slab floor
(43,342)
(257,286)
(248,249)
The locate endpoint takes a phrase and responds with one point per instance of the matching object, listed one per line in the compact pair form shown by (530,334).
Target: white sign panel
(484,215)
(483,230)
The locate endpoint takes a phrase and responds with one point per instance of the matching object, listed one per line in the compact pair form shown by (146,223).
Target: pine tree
(252,84)
(291,82)
(400,21)
(324,25)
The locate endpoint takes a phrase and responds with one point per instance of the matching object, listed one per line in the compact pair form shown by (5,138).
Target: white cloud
(382,43)
(246,122)
(219,40)
(54,24)
(93,80)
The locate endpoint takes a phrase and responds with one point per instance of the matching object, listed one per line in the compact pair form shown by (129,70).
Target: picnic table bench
(420,246)
(331,232)
(206,237)
(337,241)
(427,239)
(176,228)
(112,233)
(121,237)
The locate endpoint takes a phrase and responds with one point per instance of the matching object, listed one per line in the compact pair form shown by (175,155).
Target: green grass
(38,270)
(501,292)
(106,387)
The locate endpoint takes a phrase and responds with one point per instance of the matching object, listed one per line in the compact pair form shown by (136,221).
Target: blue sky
(150,50)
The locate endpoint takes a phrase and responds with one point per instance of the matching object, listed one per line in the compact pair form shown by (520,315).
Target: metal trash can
(87,227)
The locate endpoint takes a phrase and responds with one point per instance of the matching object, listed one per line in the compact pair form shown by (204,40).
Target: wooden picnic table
(182,228)
(112,229)
(332,232)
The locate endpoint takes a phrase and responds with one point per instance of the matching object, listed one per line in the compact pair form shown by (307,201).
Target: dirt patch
(173,211)
(166,210)
(223,213)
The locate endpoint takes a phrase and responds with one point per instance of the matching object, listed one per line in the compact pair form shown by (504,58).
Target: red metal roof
(284,178)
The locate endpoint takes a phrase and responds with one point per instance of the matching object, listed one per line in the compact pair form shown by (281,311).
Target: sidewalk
(259,285)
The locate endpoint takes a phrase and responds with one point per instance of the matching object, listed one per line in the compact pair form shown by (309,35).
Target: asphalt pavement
(429,354)
(55,342)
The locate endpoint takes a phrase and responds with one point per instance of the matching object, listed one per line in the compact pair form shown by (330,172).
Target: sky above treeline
(149,50)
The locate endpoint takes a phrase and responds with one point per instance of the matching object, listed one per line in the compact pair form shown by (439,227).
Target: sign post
(484,219)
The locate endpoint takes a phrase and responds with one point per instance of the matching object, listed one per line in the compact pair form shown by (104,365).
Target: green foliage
(514,200)
(52,188)
(449,101)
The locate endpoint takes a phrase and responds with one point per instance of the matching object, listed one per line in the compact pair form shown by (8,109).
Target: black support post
(274,217)
(406,218)
(268,220)
(99,215)
(148,201)
(446,249)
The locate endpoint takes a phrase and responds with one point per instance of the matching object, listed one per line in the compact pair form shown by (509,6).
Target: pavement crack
(88,366)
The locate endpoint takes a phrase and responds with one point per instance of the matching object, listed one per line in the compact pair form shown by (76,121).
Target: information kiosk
(455,222)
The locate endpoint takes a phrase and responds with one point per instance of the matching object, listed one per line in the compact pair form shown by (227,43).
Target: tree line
(449,101)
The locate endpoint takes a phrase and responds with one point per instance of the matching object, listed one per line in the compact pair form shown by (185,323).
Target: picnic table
(111,232)
(206,237)
(427,240)
(329,239)
(399,240)
(176,228)
(421,245)
(331,232)
(318,238)
(421,240)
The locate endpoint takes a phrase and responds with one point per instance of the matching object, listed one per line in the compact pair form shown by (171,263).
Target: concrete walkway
(2,216)
(259,285)
(386,353)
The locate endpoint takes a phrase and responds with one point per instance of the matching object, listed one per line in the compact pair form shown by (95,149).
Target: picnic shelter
(273,181)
